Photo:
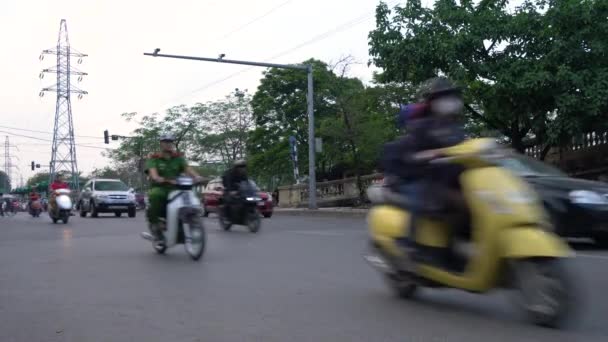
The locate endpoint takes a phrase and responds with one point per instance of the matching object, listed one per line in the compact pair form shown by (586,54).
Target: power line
(269,12)
(342,27)
(47,140)
(45,132)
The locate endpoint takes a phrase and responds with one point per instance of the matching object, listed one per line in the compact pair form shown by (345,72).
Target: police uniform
(168,168)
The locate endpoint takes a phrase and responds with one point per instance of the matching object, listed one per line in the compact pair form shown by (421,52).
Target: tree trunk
(545,151)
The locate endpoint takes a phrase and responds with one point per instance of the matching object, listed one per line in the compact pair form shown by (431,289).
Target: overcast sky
(115,34)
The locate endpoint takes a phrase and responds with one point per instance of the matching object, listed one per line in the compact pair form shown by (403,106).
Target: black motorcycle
(242,209)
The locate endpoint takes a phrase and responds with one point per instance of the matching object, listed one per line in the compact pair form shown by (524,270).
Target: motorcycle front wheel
(195,244)
(254,222)
(224,222)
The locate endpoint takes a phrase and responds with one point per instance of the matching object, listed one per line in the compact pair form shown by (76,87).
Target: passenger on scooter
(57,184)
(435,126)
(231,181)
(162,168)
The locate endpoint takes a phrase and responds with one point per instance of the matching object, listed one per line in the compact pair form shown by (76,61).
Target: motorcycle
(35,208)
(63,206)
(243,210)
(182,223)
(510,244)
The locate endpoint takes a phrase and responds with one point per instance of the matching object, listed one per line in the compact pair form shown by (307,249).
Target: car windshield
(255,186)
(527,166)
(111,186)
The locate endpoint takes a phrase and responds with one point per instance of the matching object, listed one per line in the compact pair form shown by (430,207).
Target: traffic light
(33,166)
(106,137)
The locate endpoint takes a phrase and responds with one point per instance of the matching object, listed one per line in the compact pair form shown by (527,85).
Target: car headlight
(131,197)
(101,196)
(587,197)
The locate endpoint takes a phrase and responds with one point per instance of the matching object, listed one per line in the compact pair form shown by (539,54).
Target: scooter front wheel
(195,244)
(545,290)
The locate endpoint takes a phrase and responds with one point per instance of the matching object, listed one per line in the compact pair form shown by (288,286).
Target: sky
(115,34)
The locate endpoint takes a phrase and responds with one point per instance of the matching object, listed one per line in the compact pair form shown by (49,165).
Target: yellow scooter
(510,244)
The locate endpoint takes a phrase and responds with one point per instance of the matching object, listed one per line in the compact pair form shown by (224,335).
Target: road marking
(592,256)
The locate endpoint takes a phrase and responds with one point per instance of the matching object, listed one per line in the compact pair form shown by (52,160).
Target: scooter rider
(231,180)
(162,168)
(57,184)
(435,126)
(34,196)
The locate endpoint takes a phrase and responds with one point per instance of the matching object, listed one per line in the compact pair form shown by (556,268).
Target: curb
(322,212)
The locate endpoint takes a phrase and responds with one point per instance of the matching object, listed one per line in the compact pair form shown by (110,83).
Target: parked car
(577,207)
(215,190)
(106,196)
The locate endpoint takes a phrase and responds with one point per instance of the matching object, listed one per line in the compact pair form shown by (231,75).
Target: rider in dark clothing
(231,181)
(431,126)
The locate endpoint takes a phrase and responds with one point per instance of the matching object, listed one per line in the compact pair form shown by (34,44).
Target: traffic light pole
(312,181)
(140,153)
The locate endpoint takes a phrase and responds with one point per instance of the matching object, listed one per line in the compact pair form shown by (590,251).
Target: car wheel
(132,212)
(118,214)
(94,212)
(268,215)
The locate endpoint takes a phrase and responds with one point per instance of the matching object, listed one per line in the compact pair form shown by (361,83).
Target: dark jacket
(231,180)
(427,133)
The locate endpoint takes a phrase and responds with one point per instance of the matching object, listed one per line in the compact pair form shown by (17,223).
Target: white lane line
(592,256)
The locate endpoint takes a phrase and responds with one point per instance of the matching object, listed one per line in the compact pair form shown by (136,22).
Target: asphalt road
(300,279)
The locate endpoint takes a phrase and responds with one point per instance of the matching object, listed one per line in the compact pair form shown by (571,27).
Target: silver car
(106,196)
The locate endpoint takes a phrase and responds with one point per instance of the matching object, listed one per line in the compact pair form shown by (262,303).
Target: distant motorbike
(183,221)
(243,209)
(35,208)
(63,207)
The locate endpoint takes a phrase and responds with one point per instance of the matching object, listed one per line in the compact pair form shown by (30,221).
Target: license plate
(115,207)
(261,204)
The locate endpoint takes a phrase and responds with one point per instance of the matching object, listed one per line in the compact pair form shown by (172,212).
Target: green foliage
(208,134)
(538,71)
(353,121)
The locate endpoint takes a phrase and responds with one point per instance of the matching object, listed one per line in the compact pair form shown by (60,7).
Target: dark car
(578,207)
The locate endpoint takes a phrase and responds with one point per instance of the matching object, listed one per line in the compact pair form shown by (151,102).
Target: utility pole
(63,152)
(312,186)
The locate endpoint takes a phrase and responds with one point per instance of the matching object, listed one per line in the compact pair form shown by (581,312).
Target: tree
(279,111)
(225,128)
(353,120)
(40,177)
(538,73)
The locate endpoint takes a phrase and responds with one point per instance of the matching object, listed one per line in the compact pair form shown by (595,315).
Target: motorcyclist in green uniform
(162,168)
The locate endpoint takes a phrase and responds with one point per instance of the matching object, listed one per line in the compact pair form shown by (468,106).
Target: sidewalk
(326,212)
